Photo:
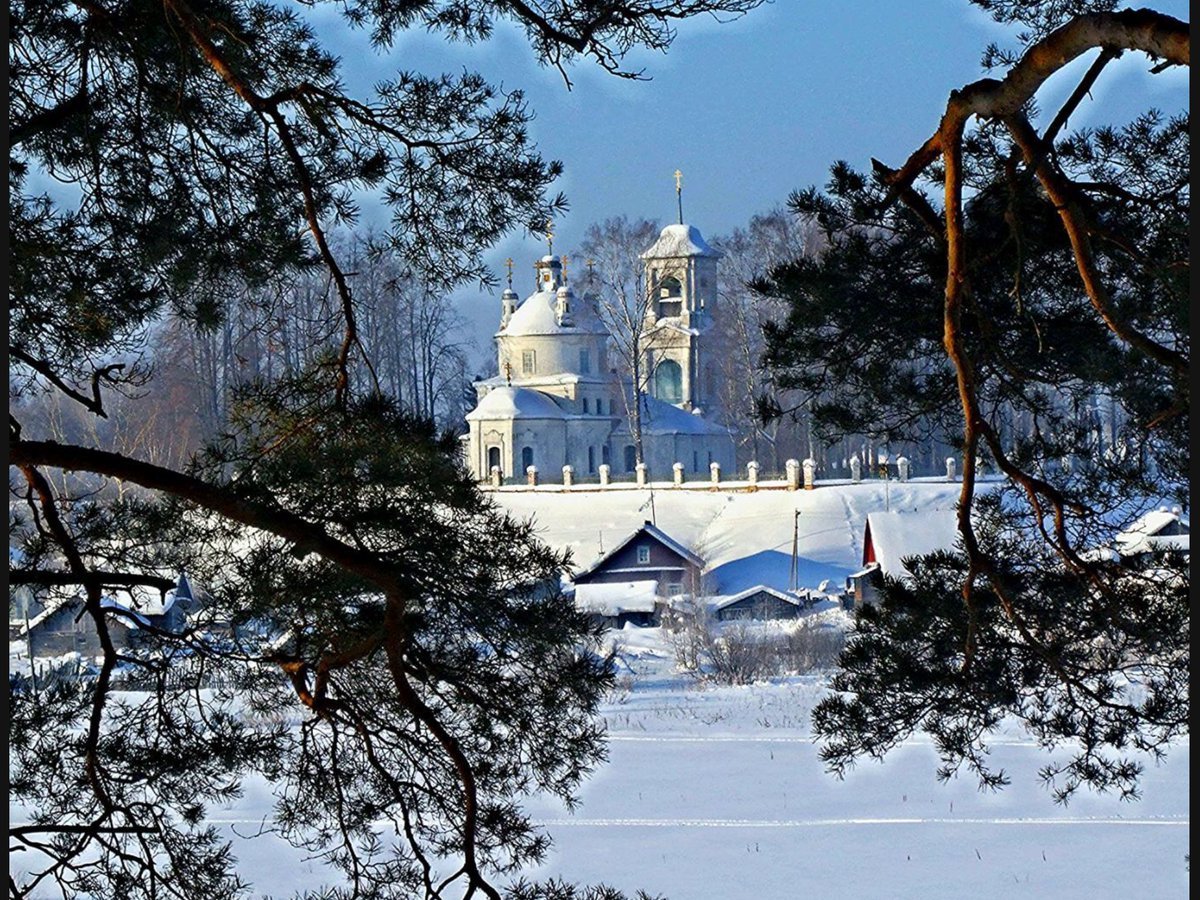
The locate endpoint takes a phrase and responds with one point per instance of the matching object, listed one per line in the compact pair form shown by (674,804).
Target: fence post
(568,476)
(640,469)
(678,470)
(752,473)
(855,469)
(902,467)
(950,467)
(495,476)
(604,471)
(531,476)
(793,474)
(714,472)
(810,473)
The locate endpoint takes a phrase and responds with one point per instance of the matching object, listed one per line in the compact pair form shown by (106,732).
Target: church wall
(554,354)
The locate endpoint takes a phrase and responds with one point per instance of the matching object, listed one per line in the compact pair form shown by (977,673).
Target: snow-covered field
(718,792)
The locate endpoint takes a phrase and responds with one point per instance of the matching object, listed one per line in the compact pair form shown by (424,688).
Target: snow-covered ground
(717,793)
(746,538)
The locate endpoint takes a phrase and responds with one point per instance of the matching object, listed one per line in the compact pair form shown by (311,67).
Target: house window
(674,589)
(528,362)
(643,555)
(585,362)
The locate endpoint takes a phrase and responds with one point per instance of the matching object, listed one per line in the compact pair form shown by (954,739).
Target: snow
(745,537)
(742,595)
(719,792)
(537,315)
(617,597)
(659,417)
(515,403)
(897,535)
(679,240)
(1146,534)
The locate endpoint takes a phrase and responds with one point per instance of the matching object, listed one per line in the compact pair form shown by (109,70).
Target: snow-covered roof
(679,240)
(757,589)
(613,598)
(1158,529)
(538,314)
(653,531)
(659,417)
(515,403)
(897,535)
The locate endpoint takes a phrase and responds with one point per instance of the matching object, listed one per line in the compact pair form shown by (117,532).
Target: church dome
(539,315)
(515,403)
(679,240)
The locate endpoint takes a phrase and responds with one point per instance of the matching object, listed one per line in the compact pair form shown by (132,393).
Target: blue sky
(749,110)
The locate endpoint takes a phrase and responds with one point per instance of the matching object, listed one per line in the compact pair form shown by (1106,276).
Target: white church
(558,401)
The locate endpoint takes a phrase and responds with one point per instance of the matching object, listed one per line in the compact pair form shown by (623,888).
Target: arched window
(585,406)
(591,460)
(668,381)
(604,454)
(670,297)
(493,458)
(526,458)
(630,457)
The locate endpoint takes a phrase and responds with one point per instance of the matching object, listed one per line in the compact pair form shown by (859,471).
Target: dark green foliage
(1083,404)
(377,641)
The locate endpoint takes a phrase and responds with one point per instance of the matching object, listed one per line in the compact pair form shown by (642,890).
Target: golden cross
(508,372)
(678,181)
(590,262)
(550,235)
(679,193)
(509,263)
(564,265)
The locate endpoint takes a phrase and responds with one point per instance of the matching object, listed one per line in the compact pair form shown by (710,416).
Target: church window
(526,458)
(670,294)
(585,406)
(585,362)
(528,362)
(493,458)
(612,406)
(695,461)
(668,381)
(604,455)
(643,554)
(630,457)
(591,460)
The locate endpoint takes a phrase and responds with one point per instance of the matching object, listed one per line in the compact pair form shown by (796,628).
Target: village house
(638,578)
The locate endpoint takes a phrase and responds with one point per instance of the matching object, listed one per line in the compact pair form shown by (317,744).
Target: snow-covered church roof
(679,240)
(539,313)
(660,417)
(515,403)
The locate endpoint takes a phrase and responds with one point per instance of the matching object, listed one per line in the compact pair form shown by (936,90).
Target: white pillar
(714,472)
(793,474)
(495,476)
(678,469)
(604,470)
(752,472)
(950,466)
(855,469)
(810,473)
(640,469)
(531,475)
(902,467)
(568,476)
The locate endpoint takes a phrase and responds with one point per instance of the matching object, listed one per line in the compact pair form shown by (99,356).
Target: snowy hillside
(746,538)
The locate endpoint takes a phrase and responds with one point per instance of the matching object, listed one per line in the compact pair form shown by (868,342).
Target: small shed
(759,603)
(617,603)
